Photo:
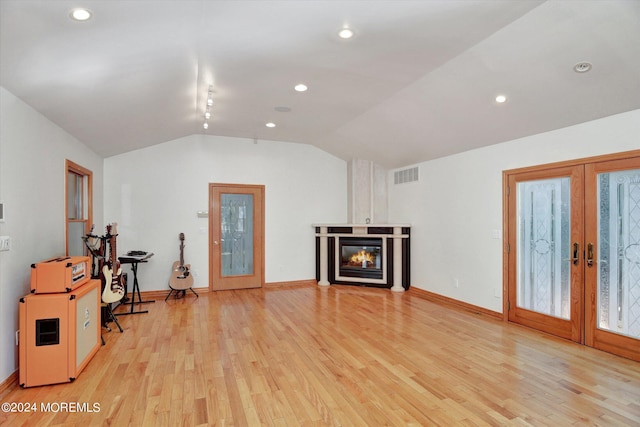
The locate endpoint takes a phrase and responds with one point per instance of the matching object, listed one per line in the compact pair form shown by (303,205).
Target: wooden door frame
(572,328)
(82,171)
(258,238)
(590,338)
(505,210)
(601,339)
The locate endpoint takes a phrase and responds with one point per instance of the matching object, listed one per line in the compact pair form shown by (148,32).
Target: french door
(546,284)
(236,236)
(573,251)
(613,262)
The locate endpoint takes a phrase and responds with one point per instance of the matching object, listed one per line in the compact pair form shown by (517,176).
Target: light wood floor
(342,356)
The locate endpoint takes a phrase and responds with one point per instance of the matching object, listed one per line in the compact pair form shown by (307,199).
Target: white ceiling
(417,82)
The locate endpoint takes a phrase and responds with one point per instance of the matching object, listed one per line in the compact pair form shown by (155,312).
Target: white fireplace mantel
(396,234)
(361,225)
(359,229)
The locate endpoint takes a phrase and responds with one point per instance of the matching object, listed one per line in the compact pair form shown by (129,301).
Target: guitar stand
(110,317)
(135,289)
(180,293)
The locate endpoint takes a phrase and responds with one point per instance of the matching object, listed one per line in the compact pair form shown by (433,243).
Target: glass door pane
(237,234)
(619,252)
(544,247)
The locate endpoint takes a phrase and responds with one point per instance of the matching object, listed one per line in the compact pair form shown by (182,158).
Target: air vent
(406,175)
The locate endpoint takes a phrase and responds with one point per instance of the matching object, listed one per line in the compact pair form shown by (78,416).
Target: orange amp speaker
(59,334)
(60,274)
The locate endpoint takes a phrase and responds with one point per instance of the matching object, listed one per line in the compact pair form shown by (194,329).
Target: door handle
(215,242)
(576,253)
(590,255)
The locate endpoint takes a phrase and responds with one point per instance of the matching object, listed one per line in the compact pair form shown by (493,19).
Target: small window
(79,196)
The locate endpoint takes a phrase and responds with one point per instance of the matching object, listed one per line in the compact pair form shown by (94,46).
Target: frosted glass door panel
(237,234)
(619,252)
(544,247)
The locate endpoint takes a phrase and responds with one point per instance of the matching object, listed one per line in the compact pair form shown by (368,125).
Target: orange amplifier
(60,274)
(59,334)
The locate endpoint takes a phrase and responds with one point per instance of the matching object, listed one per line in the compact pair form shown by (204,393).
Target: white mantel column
(397,260)
(324,260)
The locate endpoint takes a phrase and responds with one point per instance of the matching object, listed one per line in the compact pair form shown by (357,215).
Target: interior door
(613,256)
(236,236)
(545,265)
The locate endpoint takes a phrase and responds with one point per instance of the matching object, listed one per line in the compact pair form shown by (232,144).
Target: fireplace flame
(361,258)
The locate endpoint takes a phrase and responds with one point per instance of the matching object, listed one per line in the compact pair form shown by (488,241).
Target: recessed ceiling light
(582,67)
(205,125)
(500,99)
(270,125)
(300,87)
(80,14)
(346,33)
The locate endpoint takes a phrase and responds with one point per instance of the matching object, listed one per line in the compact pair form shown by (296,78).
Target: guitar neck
(114,253)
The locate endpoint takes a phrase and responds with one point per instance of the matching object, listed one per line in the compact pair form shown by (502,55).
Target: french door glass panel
(619,252)
(237,234)
(544,247)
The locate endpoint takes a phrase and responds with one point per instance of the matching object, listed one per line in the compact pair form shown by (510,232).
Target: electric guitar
(181,278)
(113,287)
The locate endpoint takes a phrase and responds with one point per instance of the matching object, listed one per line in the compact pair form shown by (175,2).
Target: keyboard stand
(135,289)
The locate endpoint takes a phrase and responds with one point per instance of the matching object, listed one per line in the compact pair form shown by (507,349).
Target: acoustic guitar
(181,278)
(111,272)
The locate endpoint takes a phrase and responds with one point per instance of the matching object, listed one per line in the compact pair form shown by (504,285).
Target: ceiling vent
(406,175)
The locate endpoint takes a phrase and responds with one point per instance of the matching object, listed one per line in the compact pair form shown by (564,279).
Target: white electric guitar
(113,287)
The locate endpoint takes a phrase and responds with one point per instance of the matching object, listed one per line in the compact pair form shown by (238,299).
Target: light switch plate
(5,243)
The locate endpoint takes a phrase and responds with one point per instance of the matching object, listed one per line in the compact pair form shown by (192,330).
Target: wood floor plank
(337,356)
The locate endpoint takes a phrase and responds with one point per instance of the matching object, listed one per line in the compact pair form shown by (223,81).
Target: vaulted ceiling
(417,81)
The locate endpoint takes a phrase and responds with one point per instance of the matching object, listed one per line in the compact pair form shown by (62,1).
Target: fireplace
(363,255)
(360,258)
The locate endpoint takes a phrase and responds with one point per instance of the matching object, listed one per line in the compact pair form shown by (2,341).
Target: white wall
(457,205)
(32,180)
(154,194)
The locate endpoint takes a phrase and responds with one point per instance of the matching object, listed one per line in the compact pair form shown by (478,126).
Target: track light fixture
(207,113)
